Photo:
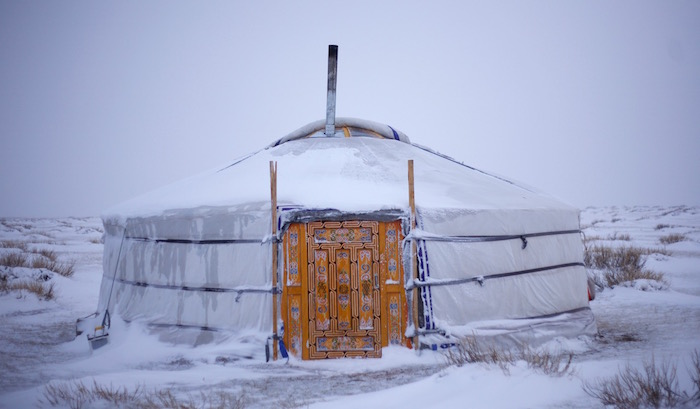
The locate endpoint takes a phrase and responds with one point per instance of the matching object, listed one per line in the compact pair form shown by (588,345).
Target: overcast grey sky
(596,102)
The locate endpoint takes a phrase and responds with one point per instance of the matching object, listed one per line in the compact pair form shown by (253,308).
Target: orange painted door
(343,293)
(344,289)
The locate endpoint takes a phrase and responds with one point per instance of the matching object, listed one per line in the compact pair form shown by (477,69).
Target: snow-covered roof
(360,174)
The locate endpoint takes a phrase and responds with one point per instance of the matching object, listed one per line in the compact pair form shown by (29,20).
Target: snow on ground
(636,322)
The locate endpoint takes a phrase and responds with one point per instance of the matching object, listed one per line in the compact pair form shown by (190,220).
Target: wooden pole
(414,254)
(273,204)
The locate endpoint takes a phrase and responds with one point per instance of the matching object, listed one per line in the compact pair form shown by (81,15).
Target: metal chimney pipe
(332,79)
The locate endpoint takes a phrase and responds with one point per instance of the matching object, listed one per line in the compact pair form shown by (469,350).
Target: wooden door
(343,293)
(344,301)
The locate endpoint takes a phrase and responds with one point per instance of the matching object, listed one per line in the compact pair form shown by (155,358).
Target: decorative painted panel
(366,289)
(343,235)
(391,252)
(292,256)
(294,326)
(342,265)
(321,290)
(345,343)
(393,292)
(395,319)
(294,301)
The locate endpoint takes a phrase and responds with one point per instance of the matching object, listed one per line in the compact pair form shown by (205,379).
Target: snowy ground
(37,344)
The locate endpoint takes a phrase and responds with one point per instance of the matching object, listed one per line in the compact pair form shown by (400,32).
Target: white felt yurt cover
(494,256)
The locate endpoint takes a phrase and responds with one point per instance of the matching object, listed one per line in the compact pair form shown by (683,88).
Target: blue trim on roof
(396,134)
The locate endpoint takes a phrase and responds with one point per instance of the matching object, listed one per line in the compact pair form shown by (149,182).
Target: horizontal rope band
(476,239)
(481,279)
(238,291)
(186,241)
(196,327)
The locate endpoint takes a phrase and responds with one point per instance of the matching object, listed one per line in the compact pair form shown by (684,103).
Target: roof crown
(345,128)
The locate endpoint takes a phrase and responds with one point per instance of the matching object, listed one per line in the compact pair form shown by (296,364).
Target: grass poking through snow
(672,238)
(21,255)
(14,244)
(469,350)
(46,259)
(618,265)
(14,260)
(44,291)
(617,236)
(64,269)
(77,395)
(654,385)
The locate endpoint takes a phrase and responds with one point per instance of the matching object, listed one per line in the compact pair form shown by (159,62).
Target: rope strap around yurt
(424,236)
(481,279)
(239,290)
(191,241)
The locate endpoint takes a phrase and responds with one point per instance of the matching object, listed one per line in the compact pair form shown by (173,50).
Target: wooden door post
(273,205)
(414,255)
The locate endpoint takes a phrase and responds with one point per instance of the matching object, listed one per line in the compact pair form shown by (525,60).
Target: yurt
(343,238)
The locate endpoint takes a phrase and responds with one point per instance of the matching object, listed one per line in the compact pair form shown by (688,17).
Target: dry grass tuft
(591,238)
(654,385)
(694,372)
(166,399)
(49,254)
(619,265)
(77,395)
(44,291)
(547,362)
(14,244)
(468,350)
(46,259)
(616,236)
(217,400)
(658,250)
(672,238)
(64,269)
(14,260)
